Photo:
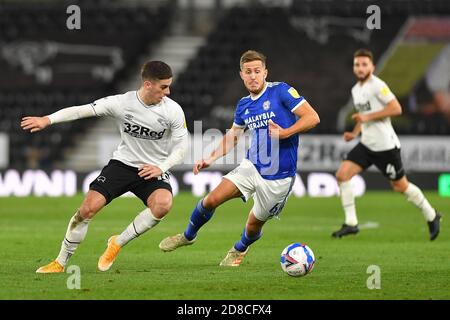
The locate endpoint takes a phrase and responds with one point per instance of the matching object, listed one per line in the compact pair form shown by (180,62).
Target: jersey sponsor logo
(363,106)
(259,117)
(129,117)
(259,120)
(266,105)
(246,112)
(294,93)
(142,132)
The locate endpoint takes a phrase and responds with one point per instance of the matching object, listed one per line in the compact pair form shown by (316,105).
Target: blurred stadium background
(309,44)
(45,67)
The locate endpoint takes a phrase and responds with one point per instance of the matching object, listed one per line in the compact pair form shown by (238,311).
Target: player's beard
(256,91)
(364,77)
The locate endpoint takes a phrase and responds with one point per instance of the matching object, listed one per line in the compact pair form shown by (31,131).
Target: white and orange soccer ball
(297,260)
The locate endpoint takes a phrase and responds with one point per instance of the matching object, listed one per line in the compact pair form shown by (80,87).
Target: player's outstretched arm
(228,142)
(308,120)
(35,124)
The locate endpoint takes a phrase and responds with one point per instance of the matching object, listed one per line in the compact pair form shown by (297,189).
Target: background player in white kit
(379,145)
(149,124)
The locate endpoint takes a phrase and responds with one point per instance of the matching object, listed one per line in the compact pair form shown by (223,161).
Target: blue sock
(246,241)
(199,217)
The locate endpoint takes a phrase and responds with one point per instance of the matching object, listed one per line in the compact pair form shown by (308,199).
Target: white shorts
(269,196)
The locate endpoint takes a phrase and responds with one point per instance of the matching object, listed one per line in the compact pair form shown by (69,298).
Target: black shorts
(389,162)
(117,178)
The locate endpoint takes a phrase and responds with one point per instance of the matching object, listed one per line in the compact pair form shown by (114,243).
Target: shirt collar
(261,93)
(143,103)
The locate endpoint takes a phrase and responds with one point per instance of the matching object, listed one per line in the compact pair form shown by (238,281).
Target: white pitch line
(369,225)
(366,225)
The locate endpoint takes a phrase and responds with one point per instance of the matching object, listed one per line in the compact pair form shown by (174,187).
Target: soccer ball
(297,260)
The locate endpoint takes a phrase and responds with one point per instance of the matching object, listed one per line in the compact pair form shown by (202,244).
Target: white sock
(348,203)
(144,221)
(76,231)
(415,196)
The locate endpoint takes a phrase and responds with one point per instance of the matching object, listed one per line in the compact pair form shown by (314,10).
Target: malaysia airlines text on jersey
(145,131)
(258,121)
(272,158)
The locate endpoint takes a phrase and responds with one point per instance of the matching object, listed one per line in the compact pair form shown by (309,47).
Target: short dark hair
(156,70)
(252,55)
(363,53)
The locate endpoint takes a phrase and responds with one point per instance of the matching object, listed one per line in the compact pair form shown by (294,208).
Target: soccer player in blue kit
(275,113)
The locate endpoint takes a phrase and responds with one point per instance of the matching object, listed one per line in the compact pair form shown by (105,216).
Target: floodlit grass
(412,267)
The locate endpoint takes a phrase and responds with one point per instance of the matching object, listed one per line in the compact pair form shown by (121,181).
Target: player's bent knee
(211,201)
(160,207)
(399,187)
(87,211)
(92,204)
(342,176)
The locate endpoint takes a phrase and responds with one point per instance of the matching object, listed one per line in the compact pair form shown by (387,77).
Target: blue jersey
(273,158)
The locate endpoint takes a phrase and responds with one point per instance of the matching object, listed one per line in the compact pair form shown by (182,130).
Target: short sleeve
(238,121)
(289,96)
(178,123)
(107,106)
(383,93)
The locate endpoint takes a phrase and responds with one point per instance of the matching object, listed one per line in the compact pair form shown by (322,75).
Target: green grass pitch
(411,267)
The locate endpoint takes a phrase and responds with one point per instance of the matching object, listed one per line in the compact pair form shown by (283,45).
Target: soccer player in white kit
(150,124)
(275,114)
(379,145)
